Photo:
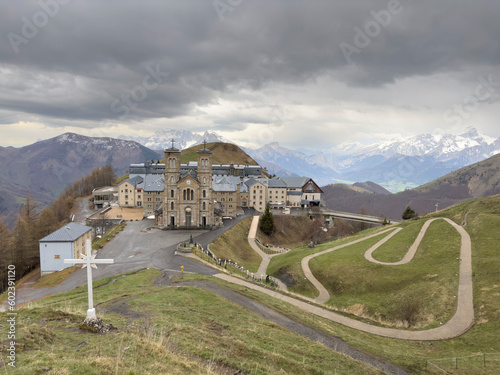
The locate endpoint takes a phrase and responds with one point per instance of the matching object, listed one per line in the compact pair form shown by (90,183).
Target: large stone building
(199,194)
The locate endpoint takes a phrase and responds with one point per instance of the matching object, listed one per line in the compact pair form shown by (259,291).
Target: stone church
(187,199)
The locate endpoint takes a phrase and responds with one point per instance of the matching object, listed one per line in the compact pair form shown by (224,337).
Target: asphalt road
(140,245)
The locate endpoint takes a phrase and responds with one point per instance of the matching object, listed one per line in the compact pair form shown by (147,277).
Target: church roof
(190,172)
(68,233)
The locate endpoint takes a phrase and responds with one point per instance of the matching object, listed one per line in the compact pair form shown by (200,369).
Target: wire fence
(225,262)
(483,363)
(269,249)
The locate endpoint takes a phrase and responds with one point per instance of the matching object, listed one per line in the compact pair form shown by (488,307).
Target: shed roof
(69,233)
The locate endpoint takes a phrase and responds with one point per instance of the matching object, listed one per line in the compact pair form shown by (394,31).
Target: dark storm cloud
(90,60)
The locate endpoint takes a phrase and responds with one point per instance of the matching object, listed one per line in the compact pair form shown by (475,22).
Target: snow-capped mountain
(396,164)
(162,139)
(445,147)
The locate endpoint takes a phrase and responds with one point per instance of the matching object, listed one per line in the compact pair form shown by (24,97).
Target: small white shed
(67,242)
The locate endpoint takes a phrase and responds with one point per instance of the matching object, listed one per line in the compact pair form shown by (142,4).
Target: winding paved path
(266,258)
(457,325)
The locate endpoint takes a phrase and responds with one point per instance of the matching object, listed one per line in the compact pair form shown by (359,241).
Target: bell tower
(205,178)
(171,197)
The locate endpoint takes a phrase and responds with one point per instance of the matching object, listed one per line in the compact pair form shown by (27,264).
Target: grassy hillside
(477,180)
(385,294)
(224,153)
(163,330)
(430,278)
(474,181)
(233,245)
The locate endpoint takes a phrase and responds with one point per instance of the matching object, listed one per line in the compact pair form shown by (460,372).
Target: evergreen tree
(409,213)
(266,222)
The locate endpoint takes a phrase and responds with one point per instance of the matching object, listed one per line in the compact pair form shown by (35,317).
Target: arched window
(204,206)
(184,194)
(192,194)
(204,180)
(204,194)
(172,205)
(172,180)
(172,193)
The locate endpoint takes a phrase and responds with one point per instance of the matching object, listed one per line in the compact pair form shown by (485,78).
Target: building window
(171,205)
(57,257)
(204,194)
(204,206)
(192,194)
(172,180)
(184,194)
(171,193)
(126,190)
(138,197)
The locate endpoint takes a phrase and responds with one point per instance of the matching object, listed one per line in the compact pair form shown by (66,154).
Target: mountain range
(46,168)
(476,180)
(162,139)
(398,164)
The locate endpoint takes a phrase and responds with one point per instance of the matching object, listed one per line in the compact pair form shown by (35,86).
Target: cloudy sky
(309,74)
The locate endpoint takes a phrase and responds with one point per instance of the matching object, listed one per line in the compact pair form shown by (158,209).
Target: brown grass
(54,278)
(233,245)
(224,153)
(289,231)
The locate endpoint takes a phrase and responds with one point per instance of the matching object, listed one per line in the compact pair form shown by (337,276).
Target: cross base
(91,313)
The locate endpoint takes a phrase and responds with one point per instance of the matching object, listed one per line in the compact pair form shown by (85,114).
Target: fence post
(456,362)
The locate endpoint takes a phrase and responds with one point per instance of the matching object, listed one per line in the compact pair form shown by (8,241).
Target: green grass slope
(162,330)
(234,245)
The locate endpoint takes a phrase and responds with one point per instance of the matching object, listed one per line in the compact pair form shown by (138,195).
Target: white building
(67,242)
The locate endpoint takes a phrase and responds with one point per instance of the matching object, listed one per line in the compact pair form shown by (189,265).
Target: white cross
(89,261)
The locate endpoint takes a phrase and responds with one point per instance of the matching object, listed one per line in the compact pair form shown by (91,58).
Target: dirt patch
(357,309)
(120,306)
(125,213)
(431,276)
(286,276)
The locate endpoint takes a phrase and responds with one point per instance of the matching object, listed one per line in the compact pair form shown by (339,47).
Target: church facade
(187,196)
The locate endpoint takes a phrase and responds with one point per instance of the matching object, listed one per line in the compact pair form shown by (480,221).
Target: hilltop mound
(224,153)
